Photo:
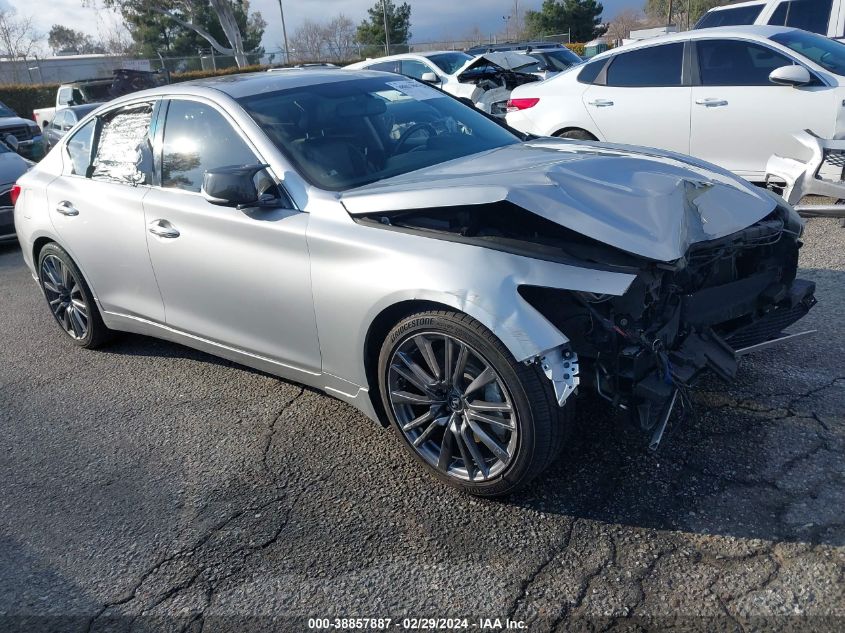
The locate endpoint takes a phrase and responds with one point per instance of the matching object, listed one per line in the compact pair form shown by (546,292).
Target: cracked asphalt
(149,487)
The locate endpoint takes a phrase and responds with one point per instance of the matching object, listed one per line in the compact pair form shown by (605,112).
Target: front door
(740,118)
(240,278)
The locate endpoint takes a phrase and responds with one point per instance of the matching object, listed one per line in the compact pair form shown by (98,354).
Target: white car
(826,17)
(732,96)
(486,80)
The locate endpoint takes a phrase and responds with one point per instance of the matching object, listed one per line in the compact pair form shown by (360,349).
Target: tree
(340,38)
(18,38)
(582,18)
(61,38)
(164,22)
(309,41)
(684,12)
(620,27)
(371,30)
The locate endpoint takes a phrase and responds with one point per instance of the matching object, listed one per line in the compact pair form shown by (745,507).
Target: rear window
(730,17)
(810,15)
(655,66)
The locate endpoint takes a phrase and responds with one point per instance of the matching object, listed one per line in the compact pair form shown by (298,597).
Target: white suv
(825,17)
(732,96)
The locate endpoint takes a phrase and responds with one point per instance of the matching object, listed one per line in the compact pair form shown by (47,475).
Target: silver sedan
(372,237)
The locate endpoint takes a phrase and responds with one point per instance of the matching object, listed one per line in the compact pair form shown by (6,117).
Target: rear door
(642,98)
(95,207)
(740,118)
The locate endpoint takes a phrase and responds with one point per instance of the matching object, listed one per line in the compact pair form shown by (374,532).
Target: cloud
(431,20)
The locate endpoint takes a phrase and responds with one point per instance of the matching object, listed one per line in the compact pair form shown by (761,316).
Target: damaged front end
(644,350)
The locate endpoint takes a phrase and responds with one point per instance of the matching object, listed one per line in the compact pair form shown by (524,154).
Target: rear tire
(70,299)
(465,408)
(576,134)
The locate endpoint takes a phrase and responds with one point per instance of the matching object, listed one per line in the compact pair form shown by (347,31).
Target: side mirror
(430,78)
(792,75)
(232,186)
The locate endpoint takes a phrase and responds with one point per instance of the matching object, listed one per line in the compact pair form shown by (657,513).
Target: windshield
(345,134)
(827,53)
(449,63)
(6,110)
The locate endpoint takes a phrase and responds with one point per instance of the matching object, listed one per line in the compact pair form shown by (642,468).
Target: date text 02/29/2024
(417,624)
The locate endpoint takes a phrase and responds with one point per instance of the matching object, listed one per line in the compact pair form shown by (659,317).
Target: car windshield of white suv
(345,134)
(449,63)
(827,53)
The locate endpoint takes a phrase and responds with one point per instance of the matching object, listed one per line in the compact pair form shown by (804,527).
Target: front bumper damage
(644,350)
(822,174)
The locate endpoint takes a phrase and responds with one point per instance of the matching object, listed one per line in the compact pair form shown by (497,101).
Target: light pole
(284,32)
(386,35)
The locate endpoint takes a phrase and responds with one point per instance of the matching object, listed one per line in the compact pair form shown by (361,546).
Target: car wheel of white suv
(475,417)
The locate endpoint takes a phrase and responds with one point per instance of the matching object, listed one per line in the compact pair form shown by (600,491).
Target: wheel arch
(572,128)
(377,332)
(37,247)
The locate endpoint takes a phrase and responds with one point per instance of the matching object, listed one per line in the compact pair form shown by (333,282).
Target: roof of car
(246,84)
(388,58)
(739,32)
(738,5)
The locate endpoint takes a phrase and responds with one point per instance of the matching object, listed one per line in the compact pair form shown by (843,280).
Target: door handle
(66,208)
(162,228)
(601,103)
(712,103)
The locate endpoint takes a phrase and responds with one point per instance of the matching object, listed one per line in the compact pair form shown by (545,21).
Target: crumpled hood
(506,60)
(648,202)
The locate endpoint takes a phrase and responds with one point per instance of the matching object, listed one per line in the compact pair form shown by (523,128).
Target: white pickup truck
(124,81)
(75,93)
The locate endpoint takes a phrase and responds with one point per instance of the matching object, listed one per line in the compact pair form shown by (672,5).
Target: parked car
(485,80)
(12,166)
(123,81)
(732,96)
(825,17)
(406,254)
(27,140)
(553,58)
(63,122)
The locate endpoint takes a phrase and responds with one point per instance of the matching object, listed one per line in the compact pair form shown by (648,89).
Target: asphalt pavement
(149,487)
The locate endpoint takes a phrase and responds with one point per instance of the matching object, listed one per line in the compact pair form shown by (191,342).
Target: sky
(431,20)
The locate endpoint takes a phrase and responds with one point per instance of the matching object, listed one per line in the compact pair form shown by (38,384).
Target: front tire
(70,299)
(472,415)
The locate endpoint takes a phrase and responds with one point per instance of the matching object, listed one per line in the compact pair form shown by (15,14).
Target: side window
(737,63)
(197,138)
(810,15)
(730,17)
(590,71)
(124,152)
(64,96)
(386,67)
(79,148)
(652,66)
(69,121)
(414,68)
(59,119)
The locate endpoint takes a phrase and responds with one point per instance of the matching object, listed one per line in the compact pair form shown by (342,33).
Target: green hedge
(24,98)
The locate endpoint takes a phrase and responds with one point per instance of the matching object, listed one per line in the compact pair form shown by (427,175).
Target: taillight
(521,104)
(15,193)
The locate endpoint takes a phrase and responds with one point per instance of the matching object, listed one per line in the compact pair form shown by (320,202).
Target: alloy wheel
(65,296)
(452,406)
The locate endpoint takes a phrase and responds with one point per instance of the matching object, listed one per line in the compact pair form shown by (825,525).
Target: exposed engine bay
(643,350)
